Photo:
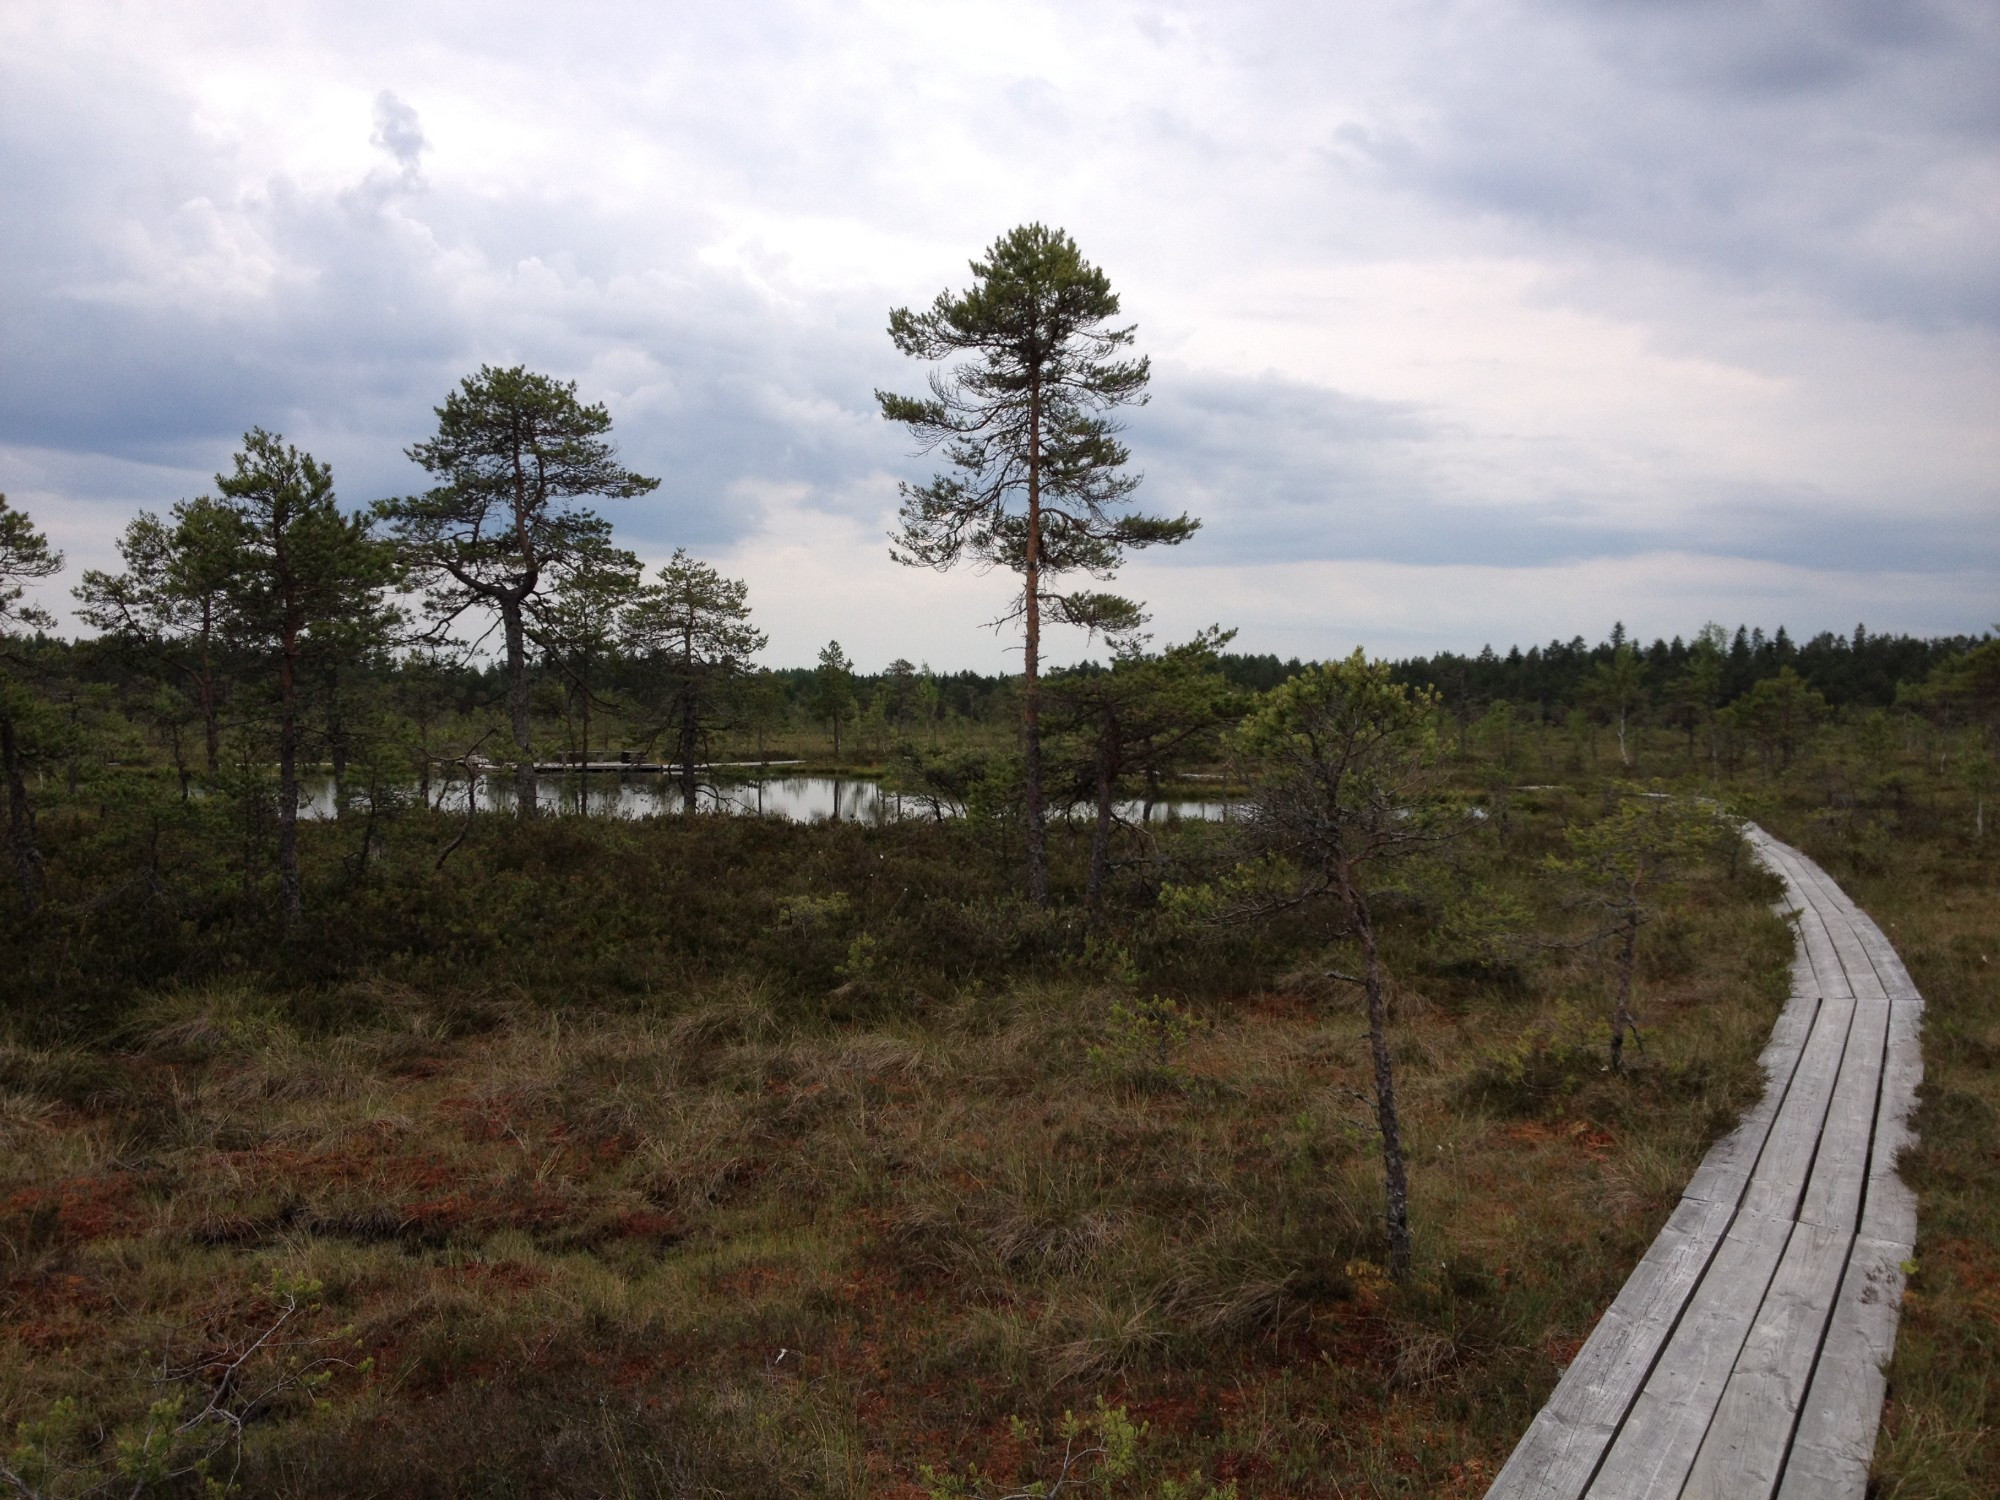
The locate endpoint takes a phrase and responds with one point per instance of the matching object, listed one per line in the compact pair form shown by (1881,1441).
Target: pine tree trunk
(1621,1013)
(20,818)
(336,741)
(211,725)
(517,708)
(690,724)
(289,886)
(1100,837)
(1031,699)
(1395,1170)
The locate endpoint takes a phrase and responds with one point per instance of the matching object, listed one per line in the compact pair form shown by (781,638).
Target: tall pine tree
(515,453)
(1035,479)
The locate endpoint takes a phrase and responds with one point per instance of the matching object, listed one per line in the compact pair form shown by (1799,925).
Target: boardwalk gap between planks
(1744,1358)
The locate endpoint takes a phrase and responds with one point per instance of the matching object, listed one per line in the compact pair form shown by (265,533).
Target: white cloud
(1698,299)
(816,576)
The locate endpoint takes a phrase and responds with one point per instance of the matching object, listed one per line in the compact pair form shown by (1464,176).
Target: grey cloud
(398,131)
(372,316)
(1778,48)
(1841,149)
(1756,144)
(1281,471)
(1773,144)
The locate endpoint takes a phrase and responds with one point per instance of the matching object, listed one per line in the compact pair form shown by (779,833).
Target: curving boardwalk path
(1743,1359)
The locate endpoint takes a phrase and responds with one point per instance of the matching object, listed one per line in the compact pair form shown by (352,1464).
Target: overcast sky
(1469,321)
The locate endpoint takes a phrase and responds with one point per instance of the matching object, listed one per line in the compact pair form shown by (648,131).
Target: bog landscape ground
(724,1155)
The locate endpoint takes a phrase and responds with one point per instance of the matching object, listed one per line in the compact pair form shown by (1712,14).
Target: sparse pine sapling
(833,691)
(691,631)
(1618,863)
(1617,689)
(576,623)
(166,607)
(1347,790)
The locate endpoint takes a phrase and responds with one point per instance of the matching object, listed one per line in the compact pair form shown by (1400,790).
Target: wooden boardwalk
(1744,1358)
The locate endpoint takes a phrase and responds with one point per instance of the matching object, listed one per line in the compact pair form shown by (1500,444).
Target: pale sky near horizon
(1471,321)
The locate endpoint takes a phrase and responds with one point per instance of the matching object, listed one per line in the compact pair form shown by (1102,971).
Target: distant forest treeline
(1864,670)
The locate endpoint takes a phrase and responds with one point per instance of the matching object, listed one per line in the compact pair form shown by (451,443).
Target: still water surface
(799,799)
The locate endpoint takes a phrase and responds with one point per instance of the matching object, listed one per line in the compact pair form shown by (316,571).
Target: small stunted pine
(577,625)
(167,605)
(1349,786)
(305,583)
(692,630)
(1619,862)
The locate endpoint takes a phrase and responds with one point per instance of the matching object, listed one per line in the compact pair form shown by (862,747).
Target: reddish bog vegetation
(859,1226)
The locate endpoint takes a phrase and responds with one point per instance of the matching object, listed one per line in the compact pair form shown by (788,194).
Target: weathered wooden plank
(1815,962)
(1892,1207)
(1656,1446)
(1849,1081)
(1817,945)
(1865,952)
(1778,1180)
(1816,888)
(1843,1405)
(1554,1458)
(1841,1410)
(1891,1211)
(1855,961)
(1606,1372)
(1552,1462)
(1842,1159)
(1882,953)
(1813,1473)
(1725,1170)
(1778,858)
(1840,1165)
(1815,931)
(1743,1451)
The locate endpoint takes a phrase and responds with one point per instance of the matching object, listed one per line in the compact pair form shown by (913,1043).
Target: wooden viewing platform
(1744,1358)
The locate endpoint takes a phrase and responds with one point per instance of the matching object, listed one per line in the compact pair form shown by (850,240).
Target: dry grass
(696,1247)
